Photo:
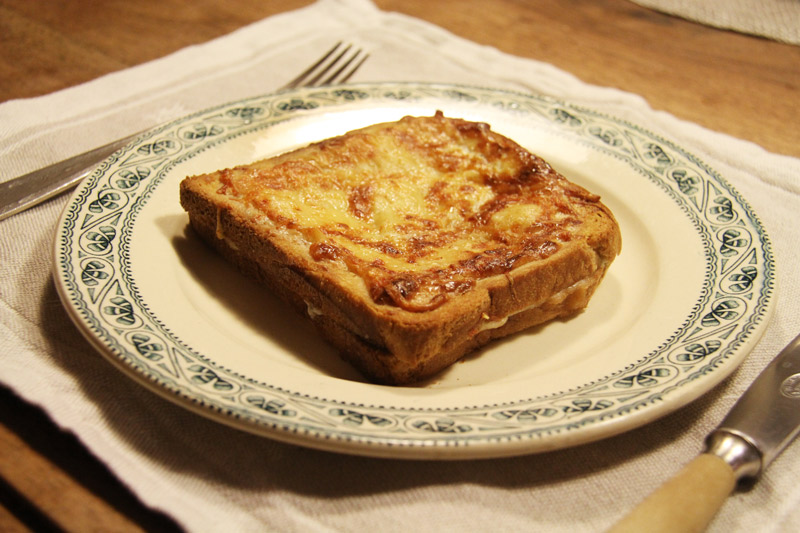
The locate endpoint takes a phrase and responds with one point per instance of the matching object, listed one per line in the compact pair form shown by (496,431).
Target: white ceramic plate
(682,305)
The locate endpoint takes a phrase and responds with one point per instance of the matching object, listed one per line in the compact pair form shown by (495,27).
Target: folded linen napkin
(775,19)
(209,477)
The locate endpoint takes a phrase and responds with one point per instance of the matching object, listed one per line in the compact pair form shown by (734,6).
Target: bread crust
(387,342)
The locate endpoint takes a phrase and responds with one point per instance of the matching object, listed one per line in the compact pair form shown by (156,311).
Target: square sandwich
(409,244)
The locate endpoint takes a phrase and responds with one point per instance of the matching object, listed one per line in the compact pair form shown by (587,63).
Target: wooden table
(745,86)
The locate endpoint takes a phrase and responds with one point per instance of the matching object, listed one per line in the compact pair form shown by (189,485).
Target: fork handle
(37,186)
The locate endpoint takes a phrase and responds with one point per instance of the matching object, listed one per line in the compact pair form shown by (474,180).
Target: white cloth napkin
(775,19)
(209,477)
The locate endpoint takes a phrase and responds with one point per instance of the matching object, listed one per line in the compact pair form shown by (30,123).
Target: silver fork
(336,66)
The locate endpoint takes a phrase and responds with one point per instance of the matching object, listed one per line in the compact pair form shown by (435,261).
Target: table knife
(758,428)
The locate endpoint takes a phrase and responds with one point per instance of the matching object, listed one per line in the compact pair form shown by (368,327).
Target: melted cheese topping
(420,208)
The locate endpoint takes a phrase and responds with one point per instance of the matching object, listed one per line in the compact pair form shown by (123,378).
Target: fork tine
(295,82)
(322,68)
(349,73)
(313,81)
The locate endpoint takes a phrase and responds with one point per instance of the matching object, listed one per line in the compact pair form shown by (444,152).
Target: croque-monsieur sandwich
(409,244)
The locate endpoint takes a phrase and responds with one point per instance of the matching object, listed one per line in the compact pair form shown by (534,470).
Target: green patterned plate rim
(681,307)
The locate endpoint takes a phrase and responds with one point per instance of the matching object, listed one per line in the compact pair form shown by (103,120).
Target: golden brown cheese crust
(413,242)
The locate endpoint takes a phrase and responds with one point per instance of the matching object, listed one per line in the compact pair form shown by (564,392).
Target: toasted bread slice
(410,244)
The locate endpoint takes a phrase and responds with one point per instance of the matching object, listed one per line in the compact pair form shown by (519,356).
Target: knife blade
(761,424)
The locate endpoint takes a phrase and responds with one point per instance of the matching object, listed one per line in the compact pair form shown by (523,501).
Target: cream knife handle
(686,503)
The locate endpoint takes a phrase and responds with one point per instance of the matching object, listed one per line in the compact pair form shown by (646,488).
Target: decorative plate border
(95,283)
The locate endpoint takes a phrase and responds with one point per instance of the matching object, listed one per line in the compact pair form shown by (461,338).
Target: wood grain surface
(745,86)
(738,84)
